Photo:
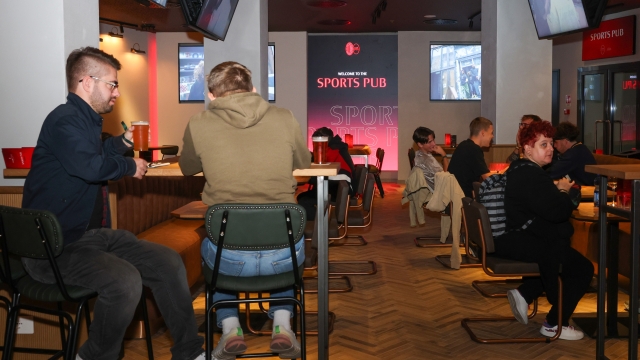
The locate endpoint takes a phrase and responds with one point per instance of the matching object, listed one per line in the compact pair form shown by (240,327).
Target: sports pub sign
(613,38)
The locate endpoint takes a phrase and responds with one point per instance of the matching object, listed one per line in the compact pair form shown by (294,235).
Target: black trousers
(552,256)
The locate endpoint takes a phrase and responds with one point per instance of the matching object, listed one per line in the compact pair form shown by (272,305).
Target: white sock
(230,324)
(282,318)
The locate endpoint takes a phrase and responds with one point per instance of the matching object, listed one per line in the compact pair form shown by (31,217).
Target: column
(516,67)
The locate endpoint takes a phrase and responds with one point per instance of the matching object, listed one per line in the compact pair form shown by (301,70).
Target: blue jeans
(116,264)
(248,264)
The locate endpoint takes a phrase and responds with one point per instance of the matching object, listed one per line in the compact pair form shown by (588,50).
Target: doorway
(607,104)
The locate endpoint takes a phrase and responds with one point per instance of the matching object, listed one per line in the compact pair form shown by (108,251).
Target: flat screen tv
(162,3)
(561,17)
(192,73)
(456,72)
(271,71)
(210,17)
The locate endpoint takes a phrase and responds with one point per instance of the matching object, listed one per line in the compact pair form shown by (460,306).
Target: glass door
(608,101)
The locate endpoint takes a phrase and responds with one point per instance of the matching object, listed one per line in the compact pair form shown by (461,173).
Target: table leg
(602,266)
(323,269)
(635,252)
(612,280)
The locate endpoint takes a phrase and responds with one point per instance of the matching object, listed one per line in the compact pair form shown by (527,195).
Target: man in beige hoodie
(247,150)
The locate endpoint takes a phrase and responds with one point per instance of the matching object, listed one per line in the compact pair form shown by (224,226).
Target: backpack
(491,195)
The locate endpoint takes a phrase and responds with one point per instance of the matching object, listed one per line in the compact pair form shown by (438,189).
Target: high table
(361,151)
(586,212)
(322,172)
(625,172)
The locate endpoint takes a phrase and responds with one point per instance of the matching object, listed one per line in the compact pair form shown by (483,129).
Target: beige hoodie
(247,149)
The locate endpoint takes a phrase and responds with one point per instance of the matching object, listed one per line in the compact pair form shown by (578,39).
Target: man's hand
(439,150)
(141,167)
(564,184)
(128,134)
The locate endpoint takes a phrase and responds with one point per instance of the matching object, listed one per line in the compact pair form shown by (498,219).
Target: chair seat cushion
(35,290)
(507,266)
(254,283)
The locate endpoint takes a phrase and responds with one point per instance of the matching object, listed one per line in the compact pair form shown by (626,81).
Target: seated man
(467,163)
(573,156)
(517,152)
(337,151)
(70,163)
(247,150)
(425,139)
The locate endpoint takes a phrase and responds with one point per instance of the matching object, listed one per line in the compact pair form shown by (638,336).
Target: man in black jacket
(70,163)
(574,155)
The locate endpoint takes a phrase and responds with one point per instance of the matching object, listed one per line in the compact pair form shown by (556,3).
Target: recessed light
(440,21)
(429,16)
(334,22)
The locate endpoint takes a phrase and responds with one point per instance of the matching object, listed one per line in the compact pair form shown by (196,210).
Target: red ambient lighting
(327,3)
(352,49)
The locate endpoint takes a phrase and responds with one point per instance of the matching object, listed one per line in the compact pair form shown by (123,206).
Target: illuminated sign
(613,38)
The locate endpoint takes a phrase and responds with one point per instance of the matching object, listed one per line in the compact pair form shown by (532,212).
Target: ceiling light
(440,21)
(137,51)
(429,16)
(115,34)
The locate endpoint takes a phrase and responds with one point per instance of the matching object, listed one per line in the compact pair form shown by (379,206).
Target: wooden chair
(478,227)
(377,169)
(37,234)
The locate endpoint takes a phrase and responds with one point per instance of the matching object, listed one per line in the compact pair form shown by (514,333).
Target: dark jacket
(70,163)
(531,194)
(572,163)
(336,143)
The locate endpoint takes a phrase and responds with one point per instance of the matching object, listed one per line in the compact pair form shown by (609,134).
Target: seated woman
(532,197)
(337,151)
(425,139)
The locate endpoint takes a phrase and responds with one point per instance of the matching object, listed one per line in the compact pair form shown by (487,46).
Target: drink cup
(320,144)
(140,135)
(624,200)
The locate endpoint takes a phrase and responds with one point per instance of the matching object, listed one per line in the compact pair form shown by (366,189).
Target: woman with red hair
(538,230)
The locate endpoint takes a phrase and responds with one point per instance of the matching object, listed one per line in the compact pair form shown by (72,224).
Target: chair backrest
(380,157)
(367,201)
(476,189)
(412,157)
(360,178)
(24,238)
(252,227)
(173,150)
(478,226)
(342,201)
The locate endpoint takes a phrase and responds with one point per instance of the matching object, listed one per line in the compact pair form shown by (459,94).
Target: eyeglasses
(114,85)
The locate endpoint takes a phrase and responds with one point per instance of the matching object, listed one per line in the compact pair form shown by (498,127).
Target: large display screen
(559,17)
(456,72)
(271,72)
(215,17)
(192,72)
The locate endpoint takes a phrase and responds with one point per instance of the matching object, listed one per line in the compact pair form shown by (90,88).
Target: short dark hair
(323,131)
(479,124)
(421,135)
(229,78)
(85,61)
(566,130)
(535,118)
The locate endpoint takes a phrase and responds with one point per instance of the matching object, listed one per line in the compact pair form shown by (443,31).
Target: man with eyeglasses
(70,165)
(526,120)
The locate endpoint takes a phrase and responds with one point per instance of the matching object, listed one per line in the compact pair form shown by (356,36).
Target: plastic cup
(320,144)
(140,135)
(624,201)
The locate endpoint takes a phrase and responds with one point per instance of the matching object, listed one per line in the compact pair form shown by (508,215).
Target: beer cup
(320,144)
(140,135)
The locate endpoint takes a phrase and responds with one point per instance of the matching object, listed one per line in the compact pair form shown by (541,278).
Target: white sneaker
(229,346)
(568,332)
(284,343)
(519,306)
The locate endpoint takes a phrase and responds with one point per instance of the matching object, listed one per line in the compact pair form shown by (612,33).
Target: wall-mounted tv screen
(162,3)
(456,72)
(210,17)
(192,72)
(271,71)
(560,17)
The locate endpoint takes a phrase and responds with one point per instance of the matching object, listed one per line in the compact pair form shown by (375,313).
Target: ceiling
(297,15)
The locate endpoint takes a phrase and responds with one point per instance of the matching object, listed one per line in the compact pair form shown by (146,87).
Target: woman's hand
(564,184)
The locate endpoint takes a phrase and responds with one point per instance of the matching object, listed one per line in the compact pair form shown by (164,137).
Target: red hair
(530,133)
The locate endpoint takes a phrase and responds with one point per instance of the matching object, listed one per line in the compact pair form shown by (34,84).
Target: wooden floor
(411,309)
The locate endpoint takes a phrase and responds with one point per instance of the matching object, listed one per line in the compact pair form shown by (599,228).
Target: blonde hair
(229,78)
